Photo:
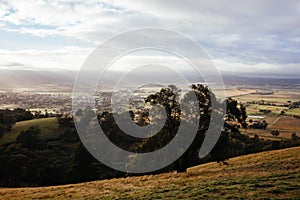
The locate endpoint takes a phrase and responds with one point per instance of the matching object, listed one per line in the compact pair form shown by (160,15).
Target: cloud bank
(245,37)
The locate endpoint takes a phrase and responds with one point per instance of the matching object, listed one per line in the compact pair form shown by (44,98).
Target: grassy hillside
(267,175)
(47,125)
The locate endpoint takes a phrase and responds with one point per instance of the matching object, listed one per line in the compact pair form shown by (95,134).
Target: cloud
(256,33)
(68,58)
(260,69)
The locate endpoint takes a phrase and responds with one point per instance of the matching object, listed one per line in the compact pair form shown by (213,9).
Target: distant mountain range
(33,78)
(10,79)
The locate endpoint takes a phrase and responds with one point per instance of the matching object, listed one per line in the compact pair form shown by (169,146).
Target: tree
(70,135)
(15,167)
(168,98)
(28,138)
(294,136)
(7,121)
(65,122)
(1,131)
(79,113)
(275,133)
(86,167)
(22,115)
(236,111)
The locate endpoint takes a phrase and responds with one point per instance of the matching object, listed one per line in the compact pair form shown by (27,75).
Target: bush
(275,133)
(1,131)
(294,136)
(29,137)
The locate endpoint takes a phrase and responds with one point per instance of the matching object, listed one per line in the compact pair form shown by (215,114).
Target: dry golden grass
(287,123)
(233,92)
(274,174)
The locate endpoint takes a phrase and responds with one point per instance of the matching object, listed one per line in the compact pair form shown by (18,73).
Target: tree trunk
(180,166)
(182,170)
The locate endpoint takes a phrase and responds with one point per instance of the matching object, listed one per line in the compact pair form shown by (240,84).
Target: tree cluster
(37,159)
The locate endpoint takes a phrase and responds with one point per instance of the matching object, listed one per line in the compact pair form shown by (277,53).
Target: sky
(243,37)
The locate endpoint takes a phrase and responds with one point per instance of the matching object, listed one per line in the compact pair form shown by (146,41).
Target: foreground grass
(267,175)
(47,126)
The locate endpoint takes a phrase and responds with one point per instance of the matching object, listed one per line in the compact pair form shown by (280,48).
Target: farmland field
(274,98)
(293,111)
(287,123)
(266,134)
(253,109)
(232,92)
(275,103)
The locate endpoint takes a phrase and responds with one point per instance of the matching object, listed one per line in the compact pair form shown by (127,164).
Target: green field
(281,96)
(294,111)
(47,126)
(267,175)
(253,109)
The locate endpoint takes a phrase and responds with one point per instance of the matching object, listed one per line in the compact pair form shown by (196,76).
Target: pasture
(47,126)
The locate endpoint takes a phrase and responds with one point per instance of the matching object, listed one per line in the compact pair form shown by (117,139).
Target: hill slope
(273,174)
(47,126)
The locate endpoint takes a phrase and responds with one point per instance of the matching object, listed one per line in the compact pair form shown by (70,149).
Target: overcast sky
(257,36)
